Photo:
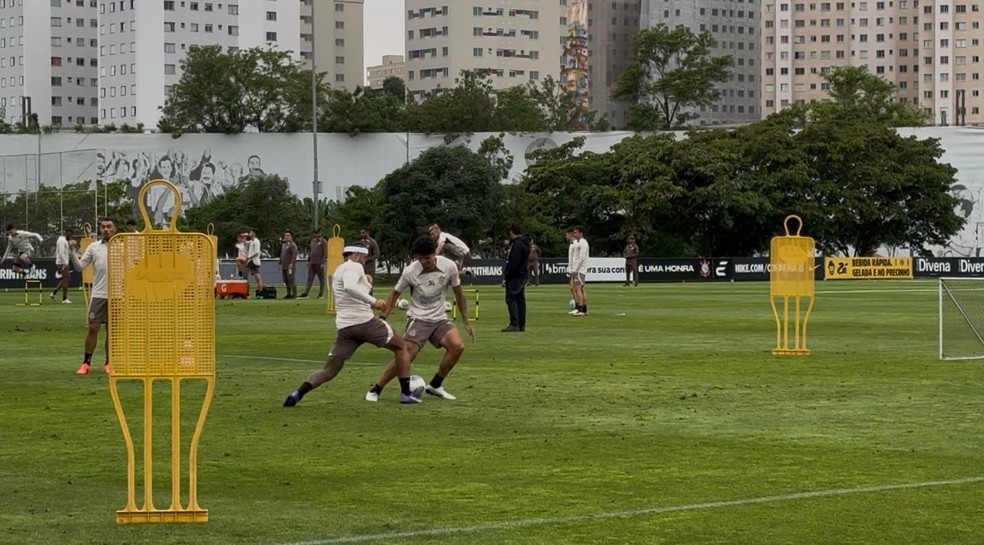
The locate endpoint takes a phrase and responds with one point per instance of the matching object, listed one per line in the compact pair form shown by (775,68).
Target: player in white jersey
(63,251)
(97,256)
(357,325)
(428,279)
(20,247)
(450,245)
(577,268)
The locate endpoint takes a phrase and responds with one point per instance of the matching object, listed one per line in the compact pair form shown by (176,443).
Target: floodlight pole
(314,115)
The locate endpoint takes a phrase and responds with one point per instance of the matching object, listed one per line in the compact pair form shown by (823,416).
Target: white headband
(355,250)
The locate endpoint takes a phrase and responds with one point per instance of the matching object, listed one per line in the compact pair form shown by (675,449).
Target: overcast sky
(384,27)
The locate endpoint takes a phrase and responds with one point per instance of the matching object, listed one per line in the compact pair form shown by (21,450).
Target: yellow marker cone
(162,324)
(792,280)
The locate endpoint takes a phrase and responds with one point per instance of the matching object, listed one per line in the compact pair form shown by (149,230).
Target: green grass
(578,431)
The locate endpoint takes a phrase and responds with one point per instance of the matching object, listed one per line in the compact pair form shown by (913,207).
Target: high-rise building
(392,66)
(733,24)
(515,40)
(801,43)
(339,39)
(48,59)
(141,45)
(612,24)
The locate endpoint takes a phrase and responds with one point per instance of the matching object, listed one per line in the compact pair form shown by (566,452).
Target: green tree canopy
(261,89)
(857,94)
(671,72)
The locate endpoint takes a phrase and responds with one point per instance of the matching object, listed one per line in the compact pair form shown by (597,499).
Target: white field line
(527,523)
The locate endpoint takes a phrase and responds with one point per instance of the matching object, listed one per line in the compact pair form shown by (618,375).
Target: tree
(562,109)
(449,185)
(265,204)
(361,112)
(230,92)
(858,94)
(394,87)
(467,108)
(671,72)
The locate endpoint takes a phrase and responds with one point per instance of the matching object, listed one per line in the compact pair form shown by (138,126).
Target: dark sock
(584,309)
(405,386)
(87,358)
(376,389)
(304,388)
(437,381)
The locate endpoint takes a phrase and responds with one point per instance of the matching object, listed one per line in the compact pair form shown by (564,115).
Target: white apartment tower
(392,66)
(612,24)
(339,39)
(48,55)
(516,40)
(734,26)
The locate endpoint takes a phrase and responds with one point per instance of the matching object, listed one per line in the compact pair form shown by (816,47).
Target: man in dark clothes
(514,279)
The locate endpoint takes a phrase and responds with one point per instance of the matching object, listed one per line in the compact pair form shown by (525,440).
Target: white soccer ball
(447,306)
(417,386)
(572,305)
(403,304)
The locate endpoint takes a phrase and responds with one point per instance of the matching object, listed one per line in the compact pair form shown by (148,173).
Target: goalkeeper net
(961,308)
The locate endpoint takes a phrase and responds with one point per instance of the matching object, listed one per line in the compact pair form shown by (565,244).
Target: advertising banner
(948,266)
(868,268)
(44,270)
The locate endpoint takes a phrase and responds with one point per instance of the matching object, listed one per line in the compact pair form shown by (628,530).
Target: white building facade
(516,40)
(141,45)
(48,56)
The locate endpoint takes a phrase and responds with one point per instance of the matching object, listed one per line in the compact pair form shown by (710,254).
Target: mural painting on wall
(574,59)
(197,178)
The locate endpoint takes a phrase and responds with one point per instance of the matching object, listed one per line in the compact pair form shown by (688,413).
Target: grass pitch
(661,418)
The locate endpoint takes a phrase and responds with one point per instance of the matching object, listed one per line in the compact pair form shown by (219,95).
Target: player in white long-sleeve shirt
(63,253)
(577,268)
(20,247)
(357,325)
(97,256)
(450,246)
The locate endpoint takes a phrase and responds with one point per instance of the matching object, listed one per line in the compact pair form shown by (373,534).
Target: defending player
(357,325)
(448,244)
(19,246)
(428,278)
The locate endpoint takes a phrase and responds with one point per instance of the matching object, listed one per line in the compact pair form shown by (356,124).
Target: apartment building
(392,66)
(339,39)
(612,24)
(516,41)
(734,26)
(949,61)
(48,61)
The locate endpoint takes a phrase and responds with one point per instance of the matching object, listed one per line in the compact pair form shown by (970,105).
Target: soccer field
(661,418)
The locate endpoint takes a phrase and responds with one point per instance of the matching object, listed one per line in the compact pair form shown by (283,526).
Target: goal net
(961,309)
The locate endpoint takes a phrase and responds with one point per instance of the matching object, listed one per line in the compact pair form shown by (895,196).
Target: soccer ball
(447,306)
(403,304)
(417,386)
(572,305)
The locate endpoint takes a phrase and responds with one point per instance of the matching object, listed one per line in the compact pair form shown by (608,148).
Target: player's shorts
(369,268)
(376,332)
(421,331)
(23,261)
(252,268)
(98,311)
(64,271)
(577,279)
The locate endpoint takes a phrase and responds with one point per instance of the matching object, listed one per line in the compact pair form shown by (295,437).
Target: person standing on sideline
(19,246)
(288,258)
(428,279)
(577,268)
(631,255)
(357,325)
(97,256)
(514,279)
(63,250)
(370,244)
(534,268)
(316,263)
(253,262)
(131,225)
(450,245)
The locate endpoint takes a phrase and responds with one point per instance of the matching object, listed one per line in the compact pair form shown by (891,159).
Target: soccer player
(63,264)
(428,279)
(357,325)
(97,256)
(288,257)
(373,247)
(316,263)
(450,245)
(19,246)
(631,254)
(577,268)
(253,262)
(534,263)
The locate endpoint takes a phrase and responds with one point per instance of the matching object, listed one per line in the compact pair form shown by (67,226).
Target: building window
(169,48)
(339,60)
(339,7)
(271,36)
(271,16)
(234,31)
(169,69)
